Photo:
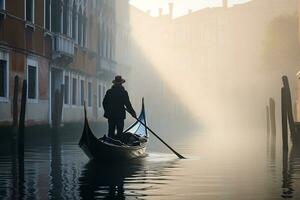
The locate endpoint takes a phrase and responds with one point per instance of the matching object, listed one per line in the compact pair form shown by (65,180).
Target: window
(81,92)
(103,91)
(3,78)
(29,10)
(66,17)
(79,27)
(74,91)
(2,4)
(48,15)
(74,22)
(104,43)
(107,39)
(108,45)
(84,20)
(55,16)
(111,47)
(89,94)
(32,80)
(67,89)
(99,96)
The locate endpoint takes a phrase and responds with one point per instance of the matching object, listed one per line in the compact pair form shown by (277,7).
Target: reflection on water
(290,172)
(54,167)
(56,179)
(117,181)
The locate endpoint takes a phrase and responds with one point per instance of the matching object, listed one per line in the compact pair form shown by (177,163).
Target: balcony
(2,14)
(63,48)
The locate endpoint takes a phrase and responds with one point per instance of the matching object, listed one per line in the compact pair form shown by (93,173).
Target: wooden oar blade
(175,152)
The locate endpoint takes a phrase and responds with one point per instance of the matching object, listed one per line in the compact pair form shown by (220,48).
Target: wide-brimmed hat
(118,80)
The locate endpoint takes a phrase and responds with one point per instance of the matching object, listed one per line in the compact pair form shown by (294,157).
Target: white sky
(181,7)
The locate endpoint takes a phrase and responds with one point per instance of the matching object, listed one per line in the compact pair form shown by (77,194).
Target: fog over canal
(207,77)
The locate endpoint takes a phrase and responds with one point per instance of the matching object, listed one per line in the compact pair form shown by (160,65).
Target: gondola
(131,145)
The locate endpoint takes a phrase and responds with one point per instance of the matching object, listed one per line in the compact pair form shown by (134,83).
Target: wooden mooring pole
(273,125)
(61,102)
(268,127)
(289,108)
(22,119)
(21,140)
(15,102)
(55,109)
(285,148)
(284,118)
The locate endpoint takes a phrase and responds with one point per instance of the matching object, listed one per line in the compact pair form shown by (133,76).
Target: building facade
(51,43)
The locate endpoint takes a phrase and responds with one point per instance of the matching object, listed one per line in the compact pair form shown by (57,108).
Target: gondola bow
(131,145)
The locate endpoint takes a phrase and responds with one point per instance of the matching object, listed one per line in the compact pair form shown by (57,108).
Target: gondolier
(106,149)
(114,103)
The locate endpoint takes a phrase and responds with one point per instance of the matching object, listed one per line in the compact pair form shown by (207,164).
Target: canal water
(218,166)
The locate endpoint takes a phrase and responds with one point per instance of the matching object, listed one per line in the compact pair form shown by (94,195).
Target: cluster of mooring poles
(289,157)
(287,120)
(18,127)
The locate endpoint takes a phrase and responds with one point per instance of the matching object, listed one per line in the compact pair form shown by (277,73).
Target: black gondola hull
(108,152)
(103,150)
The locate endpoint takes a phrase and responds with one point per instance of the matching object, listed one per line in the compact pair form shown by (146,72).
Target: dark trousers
(113,124)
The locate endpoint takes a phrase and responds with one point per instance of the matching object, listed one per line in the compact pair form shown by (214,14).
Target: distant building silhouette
(225,46)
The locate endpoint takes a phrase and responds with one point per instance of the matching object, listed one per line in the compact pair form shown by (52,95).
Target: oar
(177,154)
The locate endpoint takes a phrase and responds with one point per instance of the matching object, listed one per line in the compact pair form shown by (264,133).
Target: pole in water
(61,103)
(284,119)
(55,115)
(289,108)
(21,140)
(268,127)
(272,120)
(273,127)
(285,148)
(15,102)
(22,119)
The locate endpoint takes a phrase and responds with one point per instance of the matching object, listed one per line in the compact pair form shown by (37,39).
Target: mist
(213,69)
(208,72)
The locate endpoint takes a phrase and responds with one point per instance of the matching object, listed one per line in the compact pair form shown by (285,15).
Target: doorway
(56,82)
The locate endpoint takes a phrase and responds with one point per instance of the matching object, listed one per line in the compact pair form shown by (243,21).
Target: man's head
(118,80)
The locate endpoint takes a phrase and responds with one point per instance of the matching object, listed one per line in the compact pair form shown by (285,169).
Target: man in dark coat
(114,103)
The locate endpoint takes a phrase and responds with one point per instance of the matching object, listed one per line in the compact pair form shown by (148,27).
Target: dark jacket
(115,101)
